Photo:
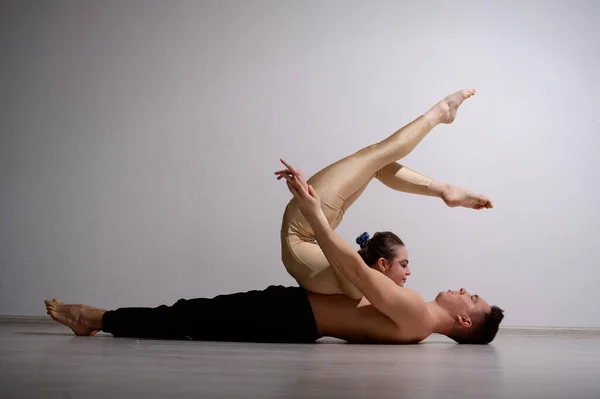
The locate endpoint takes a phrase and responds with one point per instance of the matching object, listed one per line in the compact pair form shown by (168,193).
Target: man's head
(386,253)
(475,321)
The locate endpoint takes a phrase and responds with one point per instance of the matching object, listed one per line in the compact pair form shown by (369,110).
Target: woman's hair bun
(363,239)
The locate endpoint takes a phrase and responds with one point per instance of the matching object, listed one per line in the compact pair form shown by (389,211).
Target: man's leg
(162,322)
(82,319)
(276,314)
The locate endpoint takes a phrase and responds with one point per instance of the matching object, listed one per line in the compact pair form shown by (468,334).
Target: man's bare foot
(455,196)
(445,110)
(82,319)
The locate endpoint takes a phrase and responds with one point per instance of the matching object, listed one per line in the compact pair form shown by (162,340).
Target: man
(387,313)
(293,315)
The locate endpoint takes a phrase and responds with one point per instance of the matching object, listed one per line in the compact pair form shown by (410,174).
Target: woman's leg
(339,185)
(401,178)
(339,181)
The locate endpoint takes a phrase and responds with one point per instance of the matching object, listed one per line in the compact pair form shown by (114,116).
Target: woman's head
(386,253)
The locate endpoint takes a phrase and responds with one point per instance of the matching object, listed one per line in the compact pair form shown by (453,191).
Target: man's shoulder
(412,297)
(412,318)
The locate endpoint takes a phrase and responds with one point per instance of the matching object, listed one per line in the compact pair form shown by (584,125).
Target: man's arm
(390,299)
(393,301)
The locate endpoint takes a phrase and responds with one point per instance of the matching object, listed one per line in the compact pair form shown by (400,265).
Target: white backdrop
(139,139)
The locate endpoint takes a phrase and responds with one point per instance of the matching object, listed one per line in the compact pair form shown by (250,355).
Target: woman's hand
(306,196)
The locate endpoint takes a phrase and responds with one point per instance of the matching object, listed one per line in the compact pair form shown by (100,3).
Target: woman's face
(397,270)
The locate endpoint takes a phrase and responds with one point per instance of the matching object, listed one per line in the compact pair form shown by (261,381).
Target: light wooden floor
(47,361)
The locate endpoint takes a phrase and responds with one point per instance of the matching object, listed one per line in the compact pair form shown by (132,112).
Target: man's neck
(441,321)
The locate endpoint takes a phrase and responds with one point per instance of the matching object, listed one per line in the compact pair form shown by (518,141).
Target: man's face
(462,303)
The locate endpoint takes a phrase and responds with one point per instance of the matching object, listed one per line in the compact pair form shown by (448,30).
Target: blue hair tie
(363,239)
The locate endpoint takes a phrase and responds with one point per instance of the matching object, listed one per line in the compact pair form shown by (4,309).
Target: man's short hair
(483,331)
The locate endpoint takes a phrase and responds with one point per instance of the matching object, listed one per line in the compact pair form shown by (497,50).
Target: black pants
(276,314)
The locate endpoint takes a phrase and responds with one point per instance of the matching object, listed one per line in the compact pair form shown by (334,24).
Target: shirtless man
(388,313)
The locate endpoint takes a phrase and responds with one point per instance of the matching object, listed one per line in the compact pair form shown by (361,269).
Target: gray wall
(139,139)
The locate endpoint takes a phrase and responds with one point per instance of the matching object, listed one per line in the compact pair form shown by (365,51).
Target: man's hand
(290,171)
(306,196)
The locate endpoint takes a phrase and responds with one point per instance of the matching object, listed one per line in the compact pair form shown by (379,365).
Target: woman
(339,185)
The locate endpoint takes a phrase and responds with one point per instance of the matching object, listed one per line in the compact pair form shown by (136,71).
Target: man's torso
(360,322)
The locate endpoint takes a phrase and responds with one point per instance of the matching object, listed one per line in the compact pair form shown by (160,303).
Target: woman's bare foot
(445,110)
(455,196)
(82,319)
